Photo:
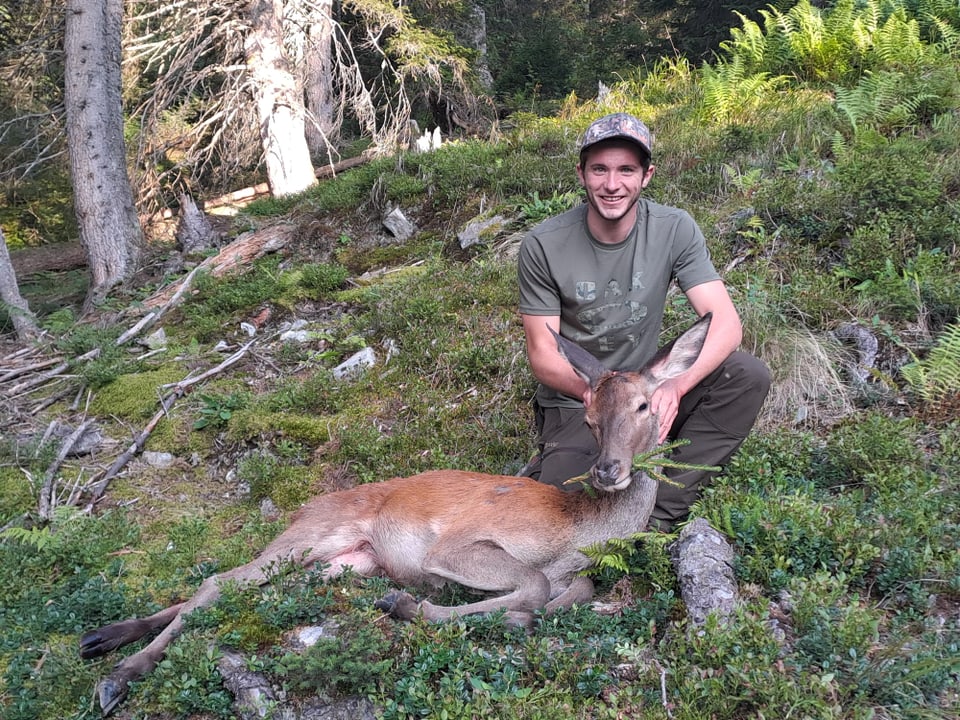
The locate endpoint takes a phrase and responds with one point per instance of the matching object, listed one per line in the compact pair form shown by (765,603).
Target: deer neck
(602,516)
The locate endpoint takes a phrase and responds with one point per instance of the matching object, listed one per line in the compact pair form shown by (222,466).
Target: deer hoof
(111,693)
(95,643)
(400,605)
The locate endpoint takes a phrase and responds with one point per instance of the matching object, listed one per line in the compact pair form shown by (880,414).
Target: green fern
(937,376)
(883,100)
(611,554)
(40,538)
(897,43)
(731,93)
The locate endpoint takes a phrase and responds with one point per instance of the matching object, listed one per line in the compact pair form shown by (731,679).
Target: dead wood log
(240,252)
(253,695)
(247,195)
(194,232)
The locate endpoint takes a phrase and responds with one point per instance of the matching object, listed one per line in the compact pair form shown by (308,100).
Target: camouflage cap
(618,125)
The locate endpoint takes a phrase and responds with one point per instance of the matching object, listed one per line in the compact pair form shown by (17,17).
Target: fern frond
(883,100)
(747,42)
(897,43)
(937,376)
(731,92)
(611,554)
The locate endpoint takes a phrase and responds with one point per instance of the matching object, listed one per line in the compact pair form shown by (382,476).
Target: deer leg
(112,689)
(480,566)
(110,637)
(579,592)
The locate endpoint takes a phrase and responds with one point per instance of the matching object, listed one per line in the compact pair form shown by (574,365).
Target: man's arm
(724,337)
(548,365)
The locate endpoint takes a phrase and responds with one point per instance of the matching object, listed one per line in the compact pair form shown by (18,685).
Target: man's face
(612,173)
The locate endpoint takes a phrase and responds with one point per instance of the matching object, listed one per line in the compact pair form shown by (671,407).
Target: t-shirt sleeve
(539,294)
(692,264)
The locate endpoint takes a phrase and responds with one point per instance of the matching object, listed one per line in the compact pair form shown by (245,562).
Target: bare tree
(24,322)
(325,116)
(109,227)
(280,110)
(31,66)
(356,62)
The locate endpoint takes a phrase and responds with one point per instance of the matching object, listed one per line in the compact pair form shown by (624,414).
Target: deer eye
(642,408)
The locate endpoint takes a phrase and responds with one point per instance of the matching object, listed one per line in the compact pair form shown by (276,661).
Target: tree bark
(109,227)
(323,128)
(280,108)
(17,308)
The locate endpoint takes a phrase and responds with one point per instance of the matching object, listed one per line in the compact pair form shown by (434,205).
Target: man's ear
(648,176)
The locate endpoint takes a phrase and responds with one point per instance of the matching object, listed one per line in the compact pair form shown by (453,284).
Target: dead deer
(513,538)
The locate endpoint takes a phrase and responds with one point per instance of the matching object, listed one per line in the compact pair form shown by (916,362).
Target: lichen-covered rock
(703,560)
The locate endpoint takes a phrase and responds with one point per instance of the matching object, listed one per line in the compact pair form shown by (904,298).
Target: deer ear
(679,355)
(585,364)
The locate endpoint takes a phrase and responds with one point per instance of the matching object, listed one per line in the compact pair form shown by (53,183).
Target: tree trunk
(23,321)
(279,107)
(109,227)
(322,127)
(477,39)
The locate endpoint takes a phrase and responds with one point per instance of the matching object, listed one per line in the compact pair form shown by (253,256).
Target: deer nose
(607,472)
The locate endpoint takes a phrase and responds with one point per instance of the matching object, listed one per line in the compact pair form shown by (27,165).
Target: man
(599,275)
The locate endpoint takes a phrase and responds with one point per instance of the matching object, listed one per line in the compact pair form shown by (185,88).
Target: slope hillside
(130,471)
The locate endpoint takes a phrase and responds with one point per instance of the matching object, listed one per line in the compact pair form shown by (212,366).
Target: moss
(249,424)
(135,396)
(16,497)
(174,434)
(289,487)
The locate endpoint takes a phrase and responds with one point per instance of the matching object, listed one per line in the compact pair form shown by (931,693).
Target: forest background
(816,145)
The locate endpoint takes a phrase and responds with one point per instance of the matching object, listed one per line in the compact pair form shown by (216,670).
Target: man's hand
(665,403)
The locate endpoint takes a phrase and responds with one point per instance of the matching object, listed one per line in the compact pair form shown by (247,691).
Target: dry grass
(807,387)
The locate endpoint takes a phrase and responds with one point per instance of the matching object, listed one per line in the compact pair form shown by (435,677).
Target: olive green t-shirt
(610,298)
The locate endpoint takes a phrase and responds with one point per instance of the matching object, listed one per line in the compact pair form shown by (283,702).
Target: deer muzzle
(610,475)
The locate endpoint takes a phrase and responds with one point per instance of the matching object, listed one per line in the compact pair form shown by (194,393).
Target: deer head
(619,415)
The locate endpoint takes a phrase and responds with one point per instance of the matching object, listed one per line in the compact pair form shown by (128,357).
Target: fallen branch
(46,504)
(33,383)
(177,390)
(151,318)
(187,382)
(26,369)
(100,484)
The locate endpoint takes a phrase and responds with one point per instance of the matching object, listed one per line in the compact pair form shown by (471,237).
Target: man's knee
(735,397)
(748,371)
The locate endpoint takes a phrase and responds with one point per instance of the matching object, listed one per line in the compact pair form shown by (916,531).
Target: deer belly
(361,560)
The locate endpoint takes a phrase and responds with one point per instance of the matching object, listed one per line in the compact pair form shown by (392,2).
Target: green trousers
(715,417)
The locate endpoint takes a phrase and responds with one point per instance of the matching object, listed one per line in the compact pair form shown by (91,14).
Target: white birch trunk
(109,227)
(279,105)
